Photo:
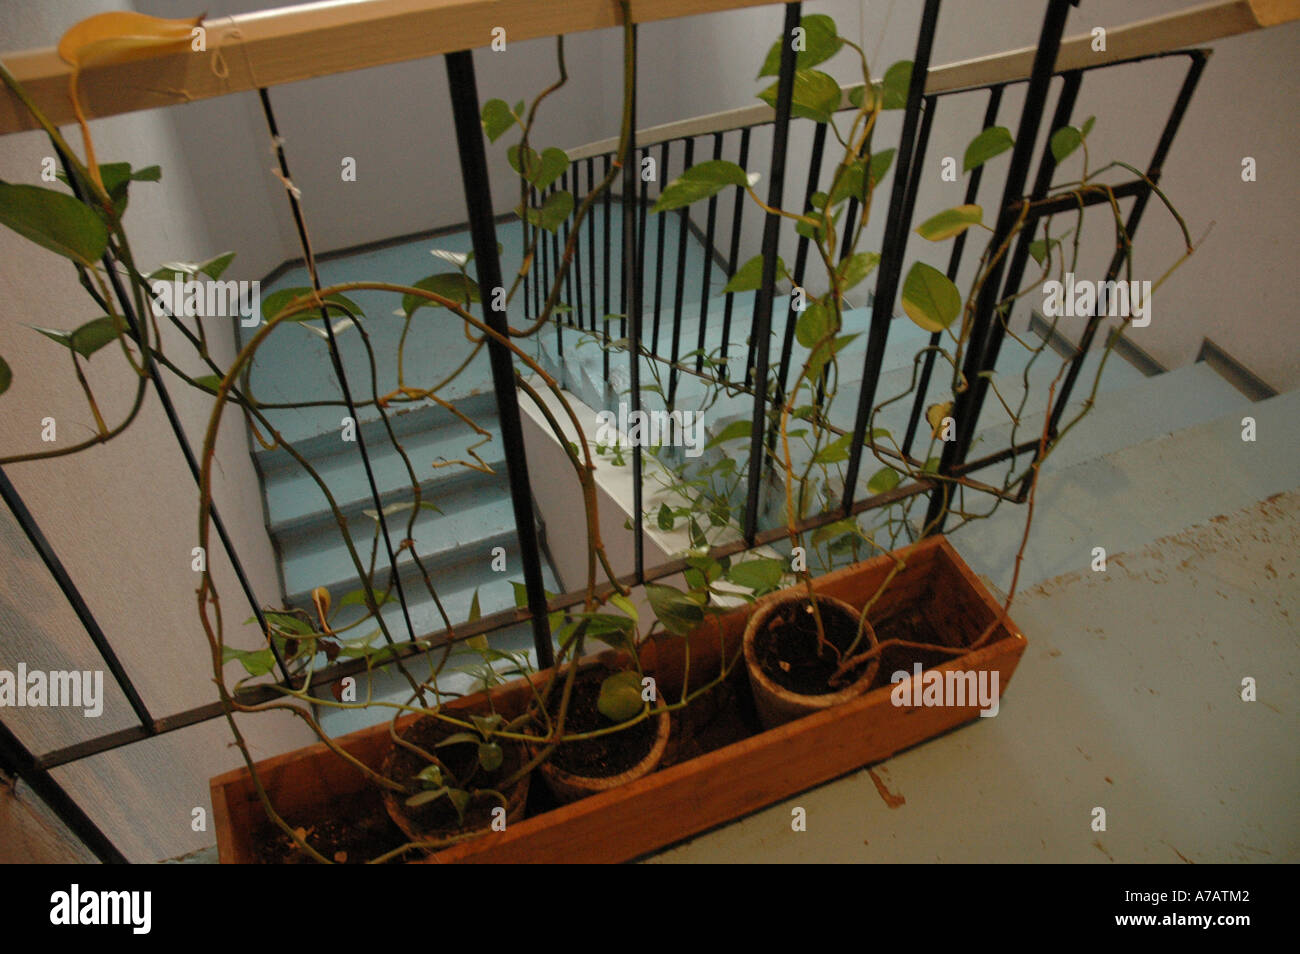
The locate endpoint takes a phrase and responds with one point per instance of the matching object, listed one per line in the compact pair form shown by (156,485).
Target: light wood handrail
(285,45)
(273,47)
(1174,31)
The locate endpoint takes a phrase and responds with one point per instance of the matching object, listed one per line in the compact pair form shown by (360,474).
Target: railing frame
(261,34)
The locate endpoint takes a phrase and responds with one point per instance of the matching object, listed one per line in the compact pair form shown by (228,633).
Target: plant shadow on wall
(450,768)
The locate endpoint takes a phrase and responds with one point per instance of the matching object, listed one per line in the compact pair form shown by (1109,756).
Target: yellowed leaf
(935,414)
(121,36)
(116,37)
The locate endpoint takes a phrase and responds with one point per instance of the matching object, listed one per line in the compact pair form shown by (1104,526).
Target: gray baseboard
(1234,372)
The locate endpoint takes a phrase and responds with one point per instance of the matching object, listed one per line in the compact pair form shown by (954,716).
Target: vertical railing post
(632,219)
(966,405)
(1154,169)
(800,264)
(478,200)
(135,323)
(679,293)
(762,324)
(45,551)
(733,255)
(17,761)
(705,279)
(954,264)
(891,257)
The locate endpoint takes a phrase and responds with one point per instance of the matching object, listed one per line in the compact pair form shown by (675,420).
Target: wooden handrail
(273,47)
(1174,31)
(280,46)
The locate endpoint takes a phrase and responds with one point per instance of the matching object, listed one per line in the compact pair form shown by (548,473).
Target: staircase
(1133,408)
(472,527)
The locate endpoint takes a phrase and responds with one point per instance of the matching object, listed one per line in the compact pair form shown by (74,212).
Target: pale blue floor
(1128,697)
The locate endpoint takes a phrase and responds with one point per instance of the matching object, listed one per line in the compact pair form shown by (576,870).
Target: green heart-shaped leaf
(991,142)
(882,480)
(620,696)
(700,182)
(929,298)
(453,286)
(821,41)
(490,756)
(816,96)
(950,222)
(497,118)
(54,220)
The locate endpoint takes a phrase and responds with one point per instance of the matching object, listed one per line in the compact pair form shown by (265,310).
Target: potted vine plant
(804,651)
(446,769)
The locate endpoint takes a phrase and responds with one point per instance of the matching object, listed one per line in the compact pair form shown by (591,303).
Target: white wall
(122,516)
(1241,286)
(396,122)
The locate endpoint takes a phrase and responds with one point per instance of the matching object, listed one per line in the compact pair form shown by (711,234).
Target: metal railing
(255,48)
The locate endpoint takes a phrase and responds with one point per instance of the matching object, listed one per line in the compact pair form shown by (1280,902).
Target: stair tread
(294,498)
(320,558)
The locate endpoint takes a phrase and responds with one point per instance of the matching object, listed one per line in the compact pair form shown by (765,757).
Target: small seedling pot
(569,786)
(776,703)
(427,824)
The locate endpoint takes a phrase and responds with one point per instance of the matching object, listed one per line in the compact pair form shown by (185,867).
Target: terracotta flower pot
(778,704)
(569,786)
(429,822)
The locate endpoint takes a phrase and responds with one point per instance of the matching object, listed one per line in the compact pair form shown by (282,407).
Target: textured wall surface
(121,516)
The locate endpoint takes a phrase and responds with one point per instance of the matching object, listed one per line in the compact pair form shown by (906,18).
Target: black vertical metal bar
(548,269)
(561,245)
(1019,259)
(771,233)
(891,259)
(966,405)
(1154,170)
(591,246)
(45,551)
(554,238)
(954,266)
(557,317)
(528,274)
(708,261)
(624,290)
(851,212)
(135,323)
(605,266)
(918,160)
(661,227)
(17,761)
(336,358)
(800,265)
(577,249)
(733,254)
(679,294)
(633,209)
(909,202)
(535,269)
(478,199)
(643,214)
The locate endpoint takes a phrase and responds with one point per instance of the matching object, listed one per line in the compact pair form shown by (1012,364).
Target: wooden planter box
(749,770)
